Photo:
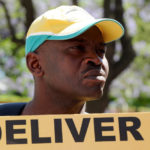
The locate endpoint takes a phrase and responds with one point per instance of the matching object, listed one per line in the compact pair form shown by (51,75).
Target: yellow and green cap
(66,22)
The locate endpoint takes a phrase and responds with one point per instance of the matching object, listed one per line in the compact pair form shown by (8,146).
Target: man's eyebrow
(82,40)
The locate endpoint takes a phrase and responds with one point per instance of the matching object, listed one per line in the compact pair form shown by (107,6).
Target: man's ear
(33,63)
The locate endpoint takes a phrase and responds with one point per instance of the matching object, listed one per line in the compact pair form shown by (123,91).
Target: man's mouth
(95,76)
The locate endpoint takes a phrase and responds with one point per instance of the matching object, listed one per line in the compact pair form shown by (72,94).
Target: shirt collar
(83,109)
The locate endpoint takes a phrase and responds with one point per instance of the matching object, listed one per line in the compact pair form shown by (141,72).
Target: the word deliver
(65,131)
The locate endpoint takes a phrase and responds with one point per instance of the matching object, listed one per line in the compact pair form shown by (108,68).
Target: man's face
(77,67)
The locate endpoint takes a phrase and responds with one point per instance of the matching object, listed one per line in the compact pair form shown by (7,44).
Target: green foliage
(142,101)
(7,46)
(143,30)
(13,98)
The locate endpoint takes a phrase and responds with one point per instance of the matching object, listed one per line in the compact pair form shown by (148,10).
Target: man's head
(72,60)
(76,67)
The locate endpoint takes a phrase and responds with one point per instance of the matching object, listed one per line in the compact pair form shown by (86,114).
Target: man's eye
(101,52)
(78,48)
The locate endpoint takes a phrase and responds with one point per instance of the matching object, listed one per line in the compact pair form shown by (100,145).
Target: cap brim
(110,28)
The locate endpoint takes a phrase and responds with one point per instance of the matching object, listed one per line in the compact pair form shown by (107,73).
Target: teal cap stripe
(33,42)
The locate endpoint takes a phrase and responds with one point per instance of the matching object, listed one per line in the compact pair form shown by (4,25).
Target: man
(65,52)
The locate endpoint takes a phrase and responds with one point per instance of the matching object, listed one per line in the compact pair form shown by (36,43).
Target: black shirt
(11,109)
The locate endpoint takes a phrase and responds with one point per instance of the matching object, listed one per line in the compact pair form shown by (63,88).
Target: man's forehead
(91,34)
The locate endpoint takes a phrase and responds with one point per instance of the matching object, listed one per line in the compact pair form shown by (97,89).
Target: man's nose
(93,59)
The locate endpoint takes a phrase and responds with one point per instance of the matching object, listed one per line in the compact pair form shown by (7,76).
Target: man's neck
(34,109)
(53,104)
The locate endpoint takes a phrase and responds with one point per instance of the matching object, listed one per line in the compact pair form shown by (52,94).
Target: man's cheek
(106,65)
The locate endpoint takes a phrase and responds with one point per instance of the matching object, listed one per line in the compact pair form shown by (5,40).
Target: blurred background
(128,84)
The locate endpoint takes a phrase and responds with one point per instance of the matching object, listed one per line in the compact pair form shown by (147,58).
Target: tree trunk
(75,2)
(29,12)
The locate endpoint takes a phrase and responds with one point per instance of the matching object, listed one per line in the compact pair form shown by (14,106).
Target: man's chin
(93,96)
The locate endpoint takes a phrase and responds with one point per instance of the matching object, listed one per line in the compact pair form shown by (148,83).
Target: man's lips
(95,75)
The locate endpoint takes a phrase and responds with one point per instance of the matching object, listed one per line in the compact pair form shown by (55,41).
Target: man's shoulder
(10,109)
